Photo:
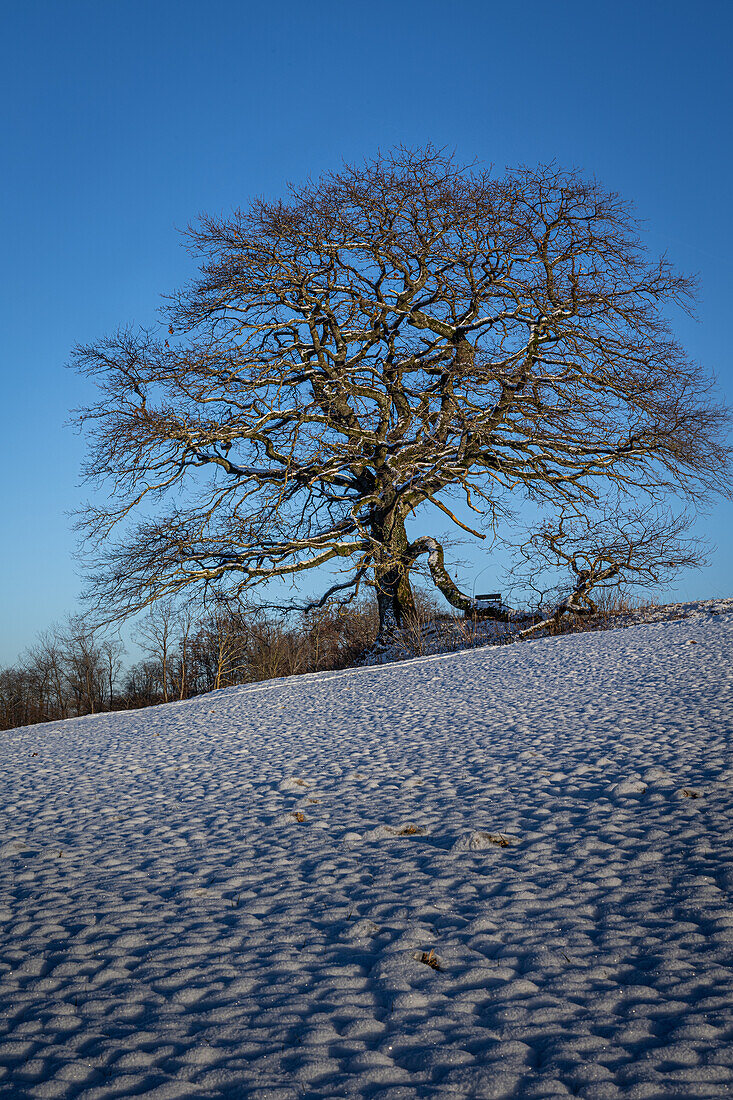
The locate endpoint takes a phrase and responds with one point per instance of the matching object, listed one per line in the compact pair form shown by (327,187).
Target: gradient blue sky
(123,120)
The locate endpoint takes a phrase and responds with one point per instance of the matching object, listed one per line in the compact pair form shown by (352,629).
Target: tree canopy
(358,352)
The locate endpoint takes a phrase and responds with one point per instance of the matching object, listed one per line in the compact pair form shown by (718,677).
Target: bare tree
(48,660)
(16,699)
(387,337)
(156,637)
(598,552)
(141,684)
(84,665)
(272,651)
(180,667)
(111,652)
(218,648)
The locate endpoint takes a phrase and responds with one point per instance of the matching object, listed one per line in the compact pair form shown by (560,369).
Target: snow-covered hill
(505,872)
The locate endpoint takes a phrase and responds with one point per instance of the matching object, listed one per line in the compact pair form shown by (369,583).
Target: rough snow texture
(301,888)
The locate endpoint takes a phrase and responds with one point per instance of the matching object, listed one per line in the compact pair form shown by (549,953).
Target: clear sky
(124,120)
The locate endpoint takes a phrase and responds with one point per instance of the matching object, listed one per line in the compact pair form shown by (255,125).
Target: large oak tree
(357,353)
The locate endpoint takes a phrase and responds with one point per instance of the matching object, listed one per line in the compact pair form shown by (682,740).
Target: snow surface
(451,633)
(505,872)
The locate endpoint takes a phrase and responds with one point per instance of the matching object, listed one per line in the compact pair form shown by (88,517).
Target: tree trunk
(394,600)
(392,576)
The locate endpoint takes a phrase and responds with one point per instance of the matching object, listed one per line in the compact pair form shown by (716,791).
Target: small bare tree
(111,652)
(600,552)
(157,638)
(218,648)
(47,662)
(141,684)
(90,661)
(184,625)
(387,337)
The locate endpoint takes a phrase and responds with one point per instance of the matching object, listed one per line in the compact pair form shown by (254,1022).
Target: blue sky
(123,121)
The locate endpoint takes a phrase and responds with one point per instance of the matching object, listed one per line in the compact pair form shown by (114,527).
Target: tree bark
(395,600)
(445,583)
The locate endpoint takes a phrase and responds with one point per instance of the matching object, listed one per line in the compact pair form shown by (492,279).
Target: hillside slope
(499,873)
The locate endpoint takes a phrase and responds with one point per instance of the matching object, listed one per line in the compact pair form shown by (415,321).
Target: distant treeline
(74,670)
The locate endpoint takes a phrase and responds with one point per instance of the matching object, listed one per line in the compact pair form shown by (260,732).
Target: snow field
(502,873)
